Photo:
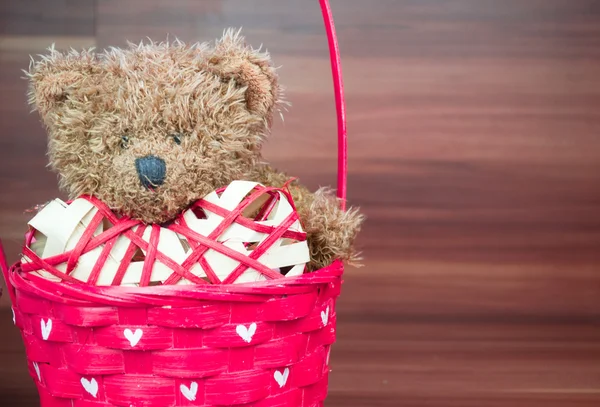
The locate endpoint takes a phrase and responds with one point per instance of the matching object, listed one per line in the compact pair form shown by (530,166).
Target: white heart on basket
(91,386)
(133,337)
(246,333)
(282,378)
(189,392)
(325,316)
(46,327)
(37,371)
(58,227)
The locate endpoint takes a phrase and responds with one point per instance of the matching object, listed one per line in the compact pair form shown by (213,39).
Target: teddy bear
(151,128)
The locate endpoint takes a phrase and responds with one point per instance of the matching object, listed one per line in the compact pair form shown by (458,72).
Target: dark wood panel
(41,17)
(474,152)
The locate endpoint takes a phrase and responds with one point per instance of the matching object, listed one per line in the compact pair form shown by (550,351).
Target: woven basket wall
(266,344)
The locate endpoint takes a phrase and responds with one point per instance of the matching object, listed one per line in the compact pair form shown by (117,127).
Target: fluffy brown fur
(102,111)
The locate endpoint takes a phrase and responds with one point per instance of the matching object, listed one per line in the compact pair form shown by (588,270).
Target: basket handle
(6,274)
(340,103)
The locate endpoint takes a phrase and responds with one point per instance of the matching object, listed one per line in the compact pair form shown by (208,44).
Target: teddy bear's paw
(331,232)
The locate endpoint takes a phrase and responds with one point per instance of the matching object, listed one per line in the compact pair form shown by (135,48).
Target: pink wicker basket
(262,344)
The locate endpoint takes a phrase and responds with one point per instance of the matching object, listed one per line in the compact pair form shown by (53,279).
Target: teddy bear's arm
(331,232)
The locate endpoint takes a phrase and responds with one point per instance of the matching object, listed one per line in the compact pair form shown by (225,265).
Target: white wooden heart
(189,392)
(246,333)
(133,337)
(58,228)
(37,371)
(91,386)
(46,327)
(283,253)
(281,378)
(325,316)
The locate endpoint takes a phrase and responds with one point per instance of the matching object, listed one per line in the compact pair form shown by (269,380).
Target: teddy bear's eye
(124,141)
(176,138)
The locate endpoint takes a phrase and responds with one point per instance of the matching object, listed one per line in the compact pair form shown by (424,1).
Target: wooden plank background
(474,151)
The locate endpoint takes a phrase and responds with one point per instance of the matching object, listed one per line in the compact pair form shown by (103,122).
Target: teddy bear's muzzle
(151,171)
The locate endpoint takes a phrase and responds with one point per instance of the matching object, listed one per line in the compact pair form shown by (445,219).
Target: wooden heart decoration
(244,232)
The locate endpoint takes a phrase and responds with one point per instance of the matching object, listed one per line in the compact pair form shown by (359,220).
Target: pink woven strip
(95,273)
(174,295)
(208,270)
(83,241)
(150,256)
(127,258)
(268,207)
(42,264)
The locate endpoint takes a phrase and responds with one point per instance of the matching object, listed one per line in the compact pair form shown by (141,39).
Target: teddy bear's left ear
(58,77)
(233,59)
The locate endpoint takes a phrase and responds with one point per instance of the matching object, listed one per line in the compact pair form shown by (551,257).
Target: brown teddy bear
(150,129)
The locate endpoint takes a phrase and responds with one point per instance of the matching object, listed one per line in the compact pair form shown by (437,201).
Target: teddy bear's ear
(233,59)
(57,77)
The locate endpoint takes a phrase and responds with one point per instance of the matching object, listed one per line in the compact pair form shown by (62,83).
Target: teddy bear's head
(154,127)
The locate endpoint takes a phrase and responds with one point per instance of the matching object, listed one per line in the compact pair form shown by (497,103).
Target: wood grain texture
(474,152)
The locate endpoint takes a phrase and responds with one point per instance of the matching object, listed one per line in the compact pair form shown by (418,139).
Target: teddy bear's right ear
(233,59)
(57,77)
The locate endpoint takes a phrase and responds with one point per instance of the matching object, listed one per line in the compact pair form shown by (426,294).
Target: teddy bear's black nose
(151,171)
